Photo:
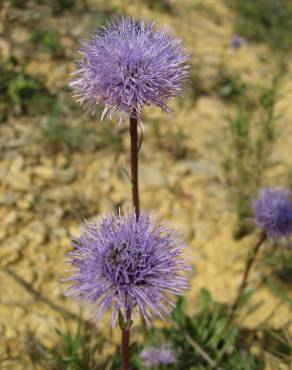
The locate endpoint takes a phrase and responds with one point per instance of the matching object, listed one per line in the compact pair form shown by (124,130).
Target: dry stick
(243,284)
(202,353)
(136,205)
(38,296)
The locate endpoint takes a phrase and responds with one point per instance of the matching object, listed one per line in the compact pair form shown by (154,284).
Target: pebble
(61,160)
(25,203)
(7,199)
(18,181)
(10,332)
(10,219)
(44,172)
(66,175)
(151,176)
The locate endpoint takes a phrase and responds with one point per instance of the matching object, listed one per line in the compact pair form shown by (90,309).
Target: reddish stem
(125,348)
(134,164)
(243,284)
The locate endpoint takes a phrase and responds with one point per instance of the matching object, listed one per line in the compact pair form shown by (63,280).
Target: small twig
(202,352)
(38,296)
(243,284)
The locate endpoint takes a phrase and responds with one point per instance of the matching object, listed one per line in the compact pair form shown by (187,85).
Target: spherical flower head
(236,42)
(128,65)
(272,210)
(127,265)
(155,356)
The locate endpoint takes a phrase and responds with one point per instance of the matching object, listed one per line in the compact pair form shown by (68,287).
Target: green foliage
(201,340)
(72,137)
(279,344)
(57,7)
(109,137)
(229,86)
(47,40)
(251,134)
(267,21)
(75,351)
(160,5)
(21,93)
(178,139)
(77,135)
(280,262)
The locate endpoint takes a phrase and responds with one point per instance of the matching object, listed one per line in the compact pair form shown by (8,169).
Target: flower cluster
(128,65)
(272,210)
(124,263)
(155,356)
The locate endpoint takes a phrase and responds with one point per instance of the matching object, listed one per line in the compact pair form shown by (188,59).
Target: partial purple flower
(155,356)
(124,264)
(236,42)
(272,210)
(128,65)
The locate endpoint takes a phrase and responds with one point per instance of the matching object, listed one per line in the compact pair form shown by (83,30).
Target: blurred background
(229,135)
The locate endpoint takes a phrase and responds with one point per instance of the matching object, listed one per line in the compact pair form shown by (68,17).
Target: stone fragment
(151,176)
(10,219)
(44,172)
(7,199)
(61,160)
(65,175)
(18,181)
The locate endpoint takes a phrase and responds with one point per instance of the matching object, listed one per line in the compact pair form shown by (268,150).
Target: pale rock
(18,181)
(65,242)
(5,49)
(151,176)
(17,164)
(172,180)
(44,173)
(36,233)
(7,199)
(25,203)
(10,219)
(117,196)
(18,312)
(12,246)
(59,232)
(60,194)
(20,35)
(11,332)
(201,167)
(65,175)
(53,220)
(57,292)
(3,233)
(61,160)
(27,272)
(43,257)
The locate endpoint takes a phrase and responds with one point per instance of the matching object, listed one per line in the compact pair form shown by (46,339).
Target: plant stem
(125,348)
(136,205)
(243,284)
(134,164)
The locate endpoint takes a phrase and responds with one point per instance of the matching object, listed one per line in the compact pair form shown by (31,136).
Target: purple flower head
(236,42)
(272,210)
(127,265)
(155,356)
(128,65)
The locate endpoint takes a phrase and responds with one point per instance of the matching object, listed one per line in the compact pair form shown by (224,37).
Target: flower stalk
(125,347)
(249,263)
(134,164)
